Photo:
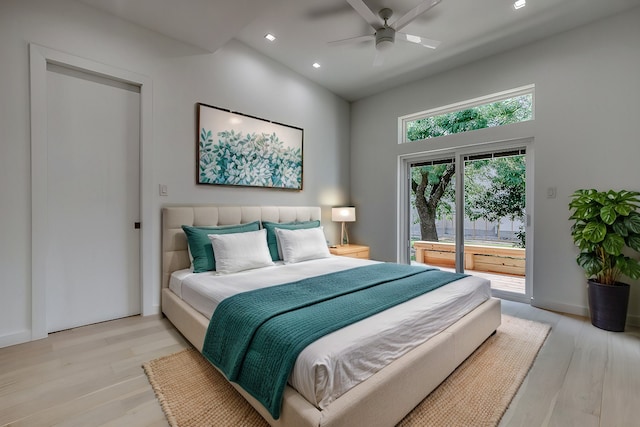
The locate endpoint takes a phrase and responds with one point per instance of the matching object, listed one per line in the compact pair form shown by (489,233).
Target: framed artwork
(237,149)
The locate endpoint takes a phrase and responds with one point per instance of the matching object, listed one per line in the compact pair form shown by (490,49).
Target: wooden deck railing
(476,257)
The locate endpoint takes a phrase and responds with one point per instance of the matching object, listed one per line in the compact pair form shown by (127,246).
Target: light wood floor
(92,376)
(89,376)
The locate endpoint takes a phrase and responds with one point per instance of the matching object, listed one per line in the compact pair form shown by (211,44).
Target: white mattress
(333,364)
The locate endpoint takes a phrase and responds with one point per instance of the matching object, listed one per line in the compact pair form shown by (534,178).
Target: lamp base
(344,235)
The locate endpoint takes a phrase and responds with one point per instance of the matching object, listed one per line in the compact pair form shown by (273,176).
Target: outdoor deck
(500,282)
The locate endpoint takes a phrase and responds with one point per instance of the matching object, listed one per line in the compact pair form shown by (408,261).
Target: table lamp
(344,215)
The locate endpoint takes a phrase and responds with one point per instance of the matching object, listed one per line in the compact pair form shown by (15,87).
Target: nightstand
(353,251)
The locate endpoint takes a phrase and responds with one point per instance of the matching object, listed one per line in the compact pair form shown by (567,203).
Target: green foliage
(497,188)
(498,113)
(605,224)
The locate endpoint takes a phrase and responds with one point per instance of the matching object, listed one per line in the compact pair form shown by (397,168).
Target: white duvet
(333,364)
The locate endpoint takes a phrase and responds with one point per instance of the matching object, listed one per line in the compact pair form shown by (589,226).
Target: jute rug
(193,394)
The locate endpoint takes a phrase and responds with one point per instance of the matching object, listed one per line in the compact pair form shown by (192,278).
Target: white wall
(586,135)
(235,77)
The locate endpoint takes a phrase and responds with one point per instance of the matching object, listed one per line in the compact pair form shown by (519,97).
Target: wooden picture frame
(241,150)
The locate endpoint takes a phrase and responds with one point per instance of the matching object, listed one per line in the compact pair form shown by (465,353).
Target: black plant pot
(608,305)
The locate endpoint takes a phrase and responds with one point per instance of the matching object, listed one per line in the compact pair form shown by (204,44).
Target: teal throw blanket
(255,337)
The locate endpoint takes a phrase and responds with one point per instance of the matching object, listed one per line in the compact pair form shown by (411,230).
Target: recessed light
(270,37)
(316,65)
(519,4)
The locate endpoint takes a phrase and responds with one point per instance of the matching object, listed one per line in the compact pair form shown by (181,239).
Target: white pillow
(240,251)
(302,244)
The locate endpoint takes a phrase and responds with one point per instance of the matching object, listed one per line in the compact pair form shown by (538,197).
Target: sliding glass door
(467,213)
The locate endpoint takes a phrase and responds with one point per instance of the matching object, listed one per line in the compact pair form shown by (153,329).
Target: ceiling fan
(385,33)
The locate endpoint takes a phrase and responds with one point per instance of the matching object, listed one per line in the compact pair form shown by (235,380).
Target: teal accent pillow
(272,240)
(200,245)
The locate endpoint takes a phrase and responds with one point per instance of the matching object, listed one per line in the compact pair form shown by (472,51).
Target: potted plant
(606,224)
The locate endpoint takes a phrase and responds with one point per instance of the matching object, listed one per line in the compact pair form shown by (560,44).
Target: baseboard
(151,310)
(15,338)
(632,319)
(562,308)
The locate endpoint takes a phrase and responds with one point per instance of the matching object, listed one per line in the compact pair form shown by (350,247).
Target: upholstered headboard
(175,255)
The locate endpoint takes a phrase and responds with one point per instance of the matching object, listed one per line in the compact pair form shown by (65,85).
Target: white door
(93,175)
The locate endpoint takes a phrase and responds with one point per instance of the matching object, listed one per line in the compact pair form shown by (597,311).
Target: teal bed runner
(255,337)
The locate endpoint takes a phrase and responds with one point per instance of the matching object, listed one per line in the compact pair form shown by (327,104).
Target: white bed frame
(384,398)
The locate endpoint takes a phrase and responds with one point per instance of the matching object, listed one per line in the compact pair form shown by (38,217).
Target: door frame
(39,57)
(403,211)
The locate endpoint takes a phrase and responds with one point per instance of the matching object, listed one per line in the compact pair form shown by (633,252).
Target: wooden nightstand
(353,251)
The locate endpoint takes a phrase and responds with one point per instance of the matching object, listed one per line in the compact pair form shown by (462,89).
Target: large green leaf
(576,232)
(585,212)
(602,198)
(608,214)
(586,246)
(590,263)
(632,222)
(619,228)
(576,194)
(595,231)
(613,244)
(623,208)
(629,267)
(633,242)
(629,197)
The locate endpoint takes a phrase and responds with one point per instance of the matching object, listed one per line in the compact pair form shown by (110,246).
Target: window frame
(463,105)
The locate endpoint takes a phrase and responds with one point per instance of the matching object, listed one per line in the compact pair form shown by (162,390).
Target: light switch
(551,192)
(164,191)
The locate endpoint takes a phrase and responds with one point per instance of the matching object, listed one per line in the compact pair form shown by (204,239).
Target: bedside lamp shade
(344,215)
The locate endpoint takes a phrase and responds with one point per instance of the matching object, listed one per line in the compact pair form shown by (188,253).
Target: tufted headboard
(175,255)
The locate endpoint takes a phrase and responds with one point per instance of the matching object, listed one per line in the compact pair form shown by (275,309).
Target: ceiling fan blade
(379,59)
(366,13)
(406,19)
(430,43)
(352,40)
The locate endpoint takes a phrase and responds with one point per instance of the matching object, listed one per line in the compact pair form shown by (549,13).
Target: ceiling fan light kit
(385,37)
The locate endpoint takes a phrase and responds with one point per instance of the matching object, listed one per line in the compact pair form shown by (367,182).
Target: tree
(429,184)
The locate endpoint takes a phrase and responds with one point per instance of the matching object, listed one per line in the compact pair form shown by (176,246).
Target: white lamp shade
(345,214)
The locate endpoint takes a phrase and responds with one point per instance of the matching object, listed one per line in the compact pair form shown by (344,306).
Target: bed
(383,398)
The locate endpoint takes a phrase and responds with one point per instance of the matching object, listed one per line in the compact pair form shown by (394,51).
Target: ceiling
(468,30)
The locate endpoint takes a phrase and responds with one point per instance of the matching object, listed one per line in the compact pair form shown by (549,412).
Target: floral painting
(236,149)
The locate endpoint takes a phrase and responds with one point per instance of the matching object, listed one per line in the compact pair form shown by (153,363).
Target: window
(499,109)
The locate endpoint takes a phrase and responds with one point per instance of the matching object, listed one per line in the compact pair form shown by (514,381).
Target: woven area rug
(193,394)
